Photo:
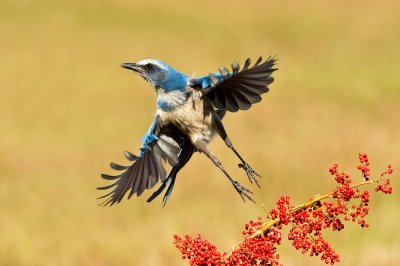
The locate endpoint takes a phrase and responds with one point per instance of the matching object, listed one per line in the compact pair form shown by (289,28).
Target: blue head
(160,75)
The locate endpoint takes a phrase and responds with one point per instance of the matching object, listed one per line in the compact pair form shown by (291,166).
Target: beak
(131,66)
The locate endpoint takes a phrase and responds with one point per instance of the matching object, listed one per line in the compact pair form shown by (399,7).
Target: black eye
(149,66)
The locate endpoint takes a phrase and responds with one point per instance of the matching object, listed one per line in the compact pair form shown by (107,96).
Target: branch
(307,221)
(267,225)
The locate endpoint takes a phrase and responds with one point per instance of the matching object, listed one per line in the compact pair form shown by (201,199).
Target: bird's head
(159,74)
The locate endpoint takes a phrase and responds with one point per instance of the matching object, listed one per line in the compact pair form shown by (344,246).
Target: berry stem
(267,225)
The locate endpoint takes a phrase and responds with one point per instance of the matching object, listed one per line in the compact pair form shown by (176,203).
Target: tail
(186,153)
(171,181)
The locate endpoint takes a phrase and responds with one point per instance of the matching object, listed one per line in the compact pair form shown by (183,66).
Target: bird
(189,114)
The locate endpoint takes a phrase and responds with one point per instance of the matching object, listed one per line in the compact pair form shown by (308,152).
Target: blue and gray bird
(189,114)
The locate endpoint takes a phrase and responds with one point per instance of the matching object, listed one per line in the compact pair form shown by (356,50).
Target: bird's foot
(243,192)
(251,173)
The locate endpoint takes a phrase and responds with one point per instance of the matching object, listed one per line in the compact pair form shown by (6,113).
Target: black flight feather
(146,169)
(240,89)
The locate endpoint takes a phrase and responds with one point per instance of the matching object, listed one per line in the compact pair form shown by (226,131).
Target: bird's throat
(168,101)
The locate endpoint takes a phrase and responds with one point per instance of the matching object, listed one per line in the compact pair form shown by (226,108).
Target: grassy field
(67,109)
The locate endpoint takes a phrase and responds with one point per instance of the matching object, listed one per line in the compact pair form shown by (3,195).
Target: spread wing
(239,89)
(162,142)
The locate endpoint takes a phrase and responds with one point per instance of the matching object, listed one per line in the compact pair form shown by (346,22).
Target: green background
(67,109)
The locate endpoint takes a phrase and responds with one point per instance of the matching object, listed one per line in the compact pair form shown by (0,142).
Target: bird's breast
(194,118)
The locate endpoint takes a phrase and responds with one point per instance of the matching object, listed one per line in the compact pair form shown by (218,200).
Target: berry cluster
(307,223)
(306,234)
(197,250)
(254,250)
(364,167)
(384,181)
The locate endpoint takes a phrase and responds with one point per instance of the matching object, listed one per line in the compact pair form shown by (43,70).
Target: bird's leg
(243,192)
(219,127)
(251,173)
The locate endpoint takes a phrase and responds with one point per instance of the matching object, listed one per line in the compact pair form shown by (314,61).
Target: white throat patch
(170,100)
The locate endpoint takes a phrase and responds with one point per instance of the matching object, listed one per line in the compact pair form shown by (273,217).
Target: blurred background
(67,109)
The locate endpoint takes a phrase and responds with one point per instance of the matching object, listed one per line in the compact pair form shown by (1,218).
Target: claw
(251,173)
(243,192)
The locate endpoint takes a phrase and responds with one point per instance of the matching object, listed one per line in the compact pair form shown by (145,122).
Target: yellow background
(67,109)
